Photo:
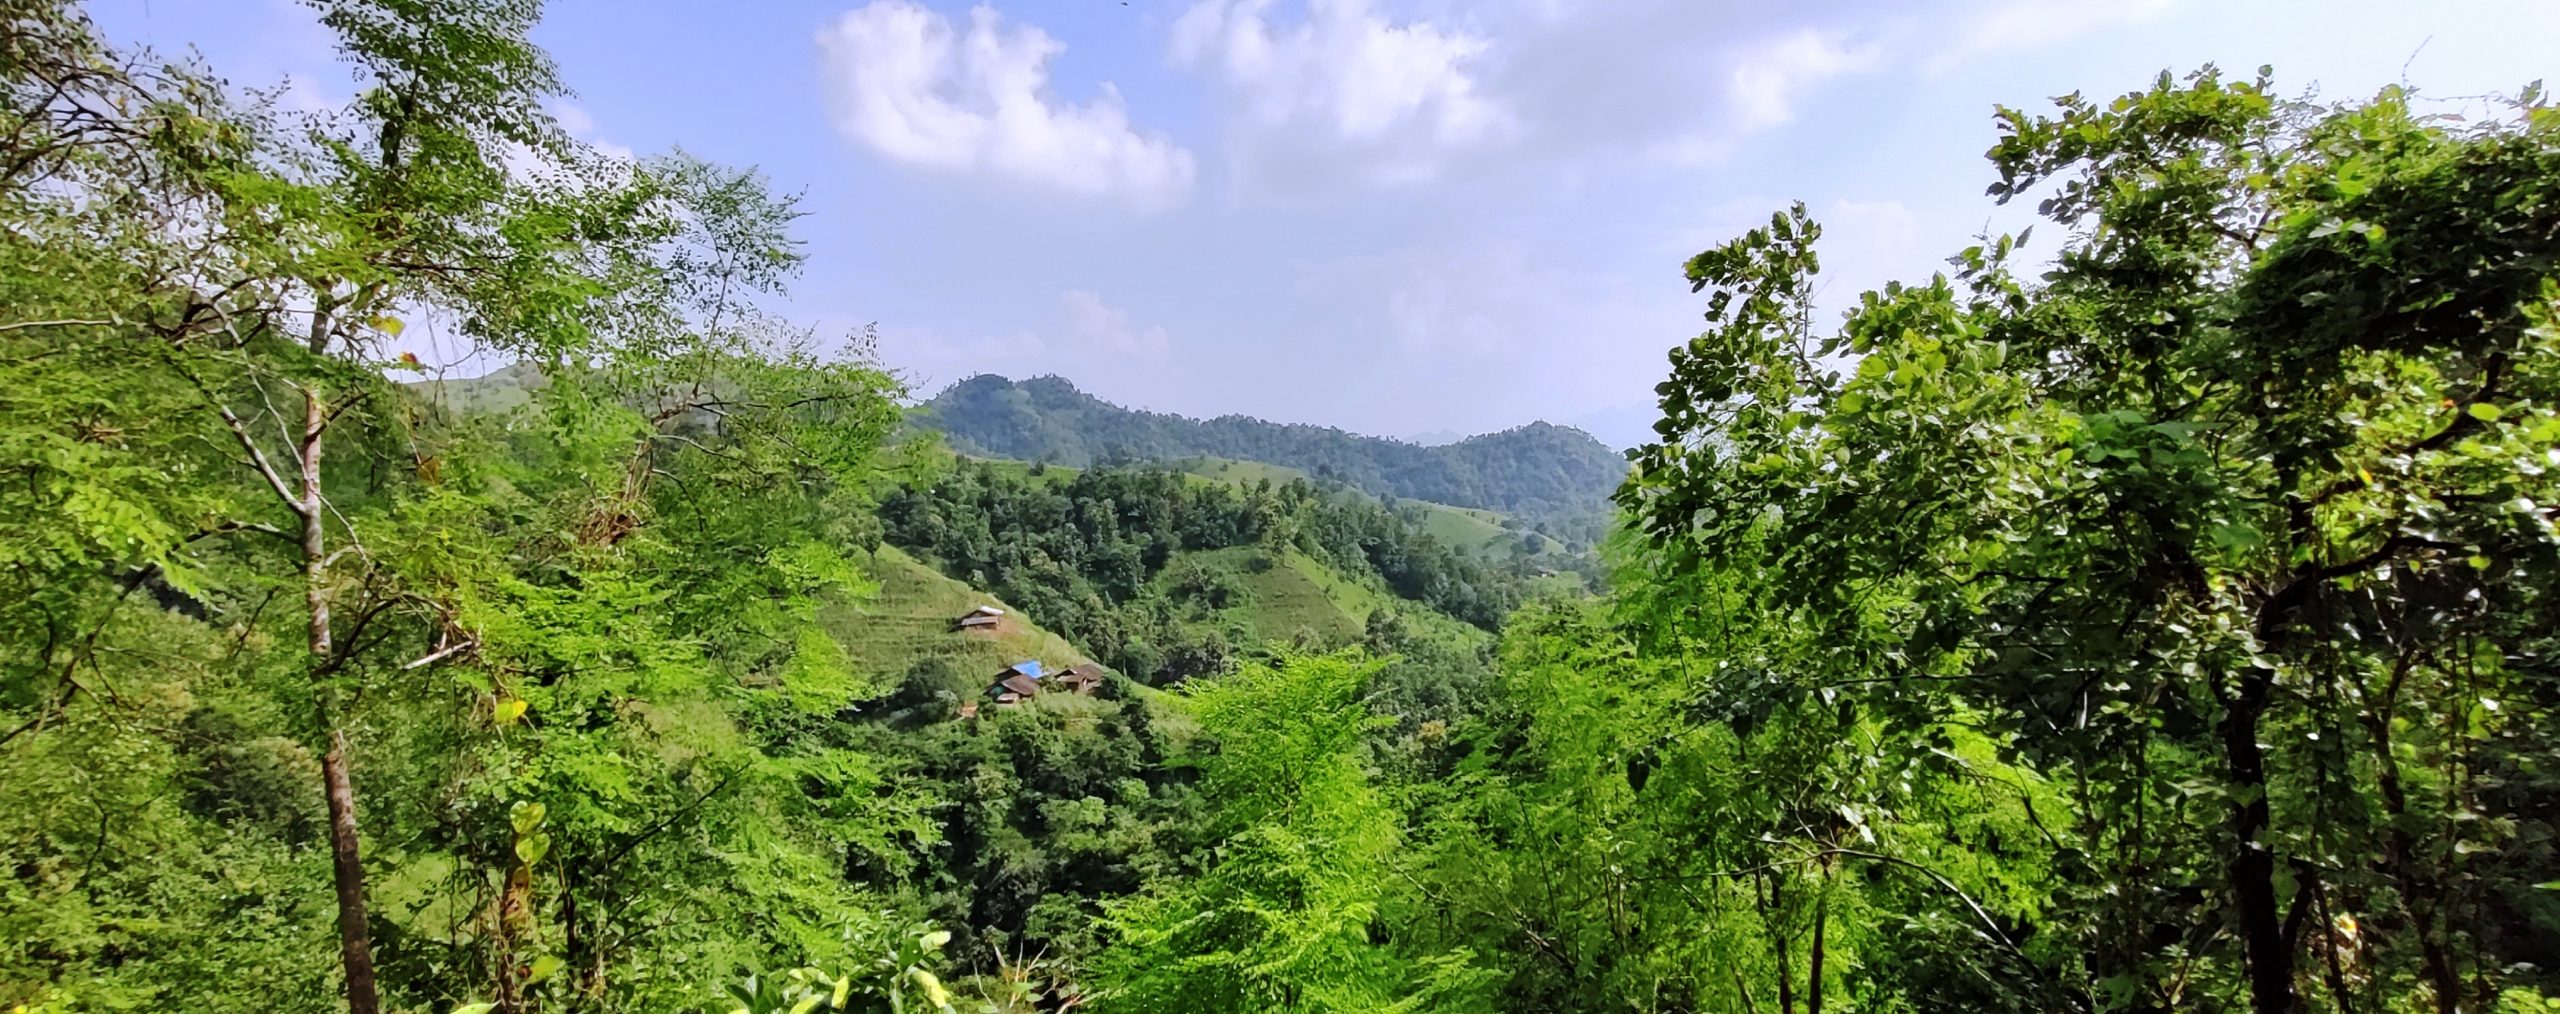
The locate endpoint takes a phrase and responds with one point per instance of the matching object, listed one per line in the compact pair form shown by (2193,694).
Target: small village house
(1019,682)
(1081,679)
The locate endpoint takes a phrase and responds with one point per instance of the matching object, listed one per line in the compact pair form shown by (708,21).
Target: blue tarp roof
(1029,668)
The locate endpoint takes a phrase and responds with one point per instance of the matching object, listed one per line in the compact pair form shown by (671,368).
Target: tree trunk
(1813,975)
(2252,867)
(1786,969)
(2420,892)
(355,934)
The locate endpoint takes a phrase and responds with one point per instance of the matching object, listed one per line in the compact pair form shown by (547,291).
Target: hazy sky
(1395,216)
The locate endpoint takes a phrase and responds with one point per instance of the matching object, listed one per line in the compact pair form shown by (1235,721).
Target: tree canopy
(2163,625)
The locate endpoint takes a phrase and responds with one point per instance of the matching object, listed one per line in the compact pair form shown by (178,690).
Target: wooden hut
(1081,679)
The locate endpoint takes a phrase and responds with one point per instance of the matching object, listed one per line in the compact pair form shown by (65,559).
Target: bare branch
(67,322)
(258,458)
(440,654)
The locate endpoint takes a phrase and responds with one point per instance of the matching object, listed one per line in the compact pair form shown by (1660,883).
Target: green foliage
(544,668)
(1290,908)
(2199,523)
(2169,630)
(889,971)
(1131,562)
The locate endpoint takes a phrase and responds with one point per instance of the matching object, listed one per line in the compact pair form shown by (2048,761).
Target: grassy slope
(1054,474)
(910,620)
(500,390)
(1467,529)
(1242,473)
(1297,594)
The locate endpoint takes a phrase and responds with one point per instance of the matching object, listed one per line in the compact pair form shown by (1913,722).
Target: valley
(2160,619)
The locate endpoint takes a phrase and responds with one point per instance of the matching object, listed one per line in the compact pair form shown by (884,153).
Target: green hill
(909,620)
(496,391)
(1251,595)
(1538,469)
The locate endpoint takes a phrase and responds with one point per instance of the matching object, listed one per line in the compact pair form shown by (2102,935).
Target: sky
(1401,217)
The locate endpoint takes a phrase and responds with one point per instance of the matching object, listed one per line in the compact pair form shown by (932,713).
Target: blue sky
(1395,216)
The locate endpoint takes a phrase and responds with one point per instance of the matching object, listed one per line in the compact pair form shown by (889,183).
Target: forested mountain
(2170,628)
(1537,469)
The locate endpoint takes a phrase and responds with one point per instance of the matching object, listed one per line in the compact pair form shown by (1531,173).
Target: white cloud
(1086,338)
(526,165)
(1868,243)
(2035,24)
(930,359)
(304,94)
(1097,327)
(575,119)
(1402,95)
(1768,80)
(909,85)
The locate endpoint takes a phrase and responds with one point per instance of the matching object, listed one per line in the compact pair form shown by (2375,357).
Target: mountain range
(1539,469)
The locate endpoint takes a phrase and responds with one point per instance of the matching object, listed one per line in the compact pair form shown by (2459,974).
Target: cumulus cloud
(1098,327)
(1400,95)
(1083,336)
(907,84)
(581,125)
(1768,79)
(929,358)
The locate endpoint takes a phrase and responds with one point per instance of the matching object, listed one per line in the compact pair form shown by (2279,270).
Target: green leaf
(511,709)
(544,967)
(2484,411)
(531,848)
(932,987)
(475,1008)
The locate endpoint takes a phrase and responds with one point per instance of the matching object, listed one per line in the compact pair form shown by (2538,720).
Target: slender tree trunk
(1813,974)
(1774,909)
(2420,892)
(2338,994)
(2252,866)
(355,934)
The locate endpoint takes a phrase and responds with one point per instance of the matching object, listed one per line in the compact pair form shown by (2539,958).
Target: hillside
(1253,596)
(909,621)
(1537,469)
(496,391)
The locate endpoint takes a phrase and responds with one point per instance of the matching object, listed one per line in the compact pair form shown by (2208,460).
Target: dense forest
(2166,625)
(1084,554)
(1536,470)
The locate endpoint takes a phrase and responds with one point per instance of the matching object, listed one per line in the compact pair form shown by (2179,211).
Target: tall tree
(1289,913)
(262,265)
(2268,448)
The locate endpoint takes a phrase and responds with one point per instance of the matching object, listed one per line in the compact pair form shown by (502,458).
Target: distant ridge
(1537,469)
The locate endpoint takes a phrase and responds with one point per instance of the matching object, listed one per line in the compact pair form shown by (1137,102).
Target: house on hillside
(1080,679)
(1018,682)
(983,618)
